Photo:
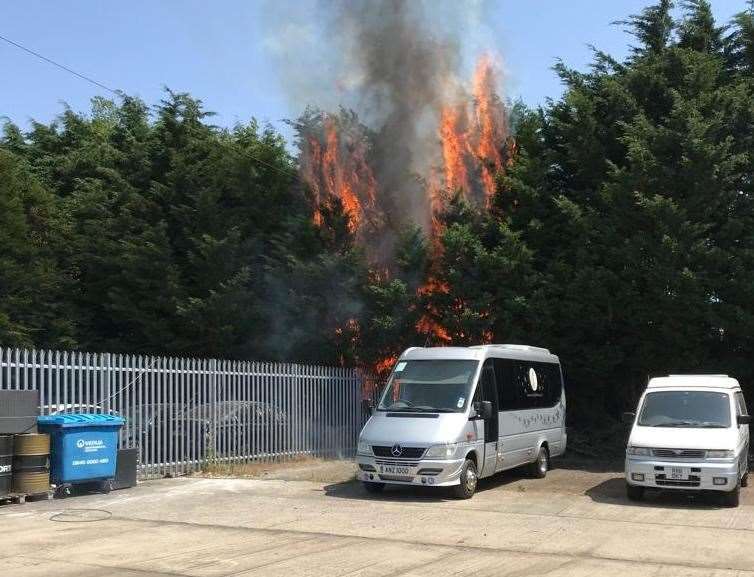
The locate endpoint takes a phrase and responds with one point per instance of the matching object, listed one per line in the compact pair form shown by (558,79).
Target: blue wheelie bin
(83,449)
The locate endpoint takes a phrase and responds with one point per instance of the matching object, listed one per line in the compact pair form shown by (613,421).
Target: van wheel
(634,493)
(538,469)
(469,478)
(731,498)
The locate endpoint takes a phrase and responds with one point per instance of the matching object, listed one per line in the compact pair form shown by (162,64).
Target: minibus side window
(554,383)
(527,385)
(506,393)
(488,385)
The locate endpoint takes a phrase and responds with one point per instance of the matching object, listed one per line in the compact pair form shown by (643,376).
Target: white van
(450,415)
(691,433)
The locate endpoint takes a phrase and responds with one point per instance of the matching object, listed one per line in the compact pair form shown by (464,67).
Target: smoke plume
(397,122)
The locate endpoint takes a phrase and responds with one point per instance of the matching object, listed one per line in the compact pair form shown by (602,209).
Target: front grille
(679,453)
(397,463)
(396,478)
(692,481)
(406,452)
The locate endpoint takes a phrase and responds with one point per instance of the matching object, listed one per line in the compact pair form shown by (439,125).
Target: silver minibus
(449,416)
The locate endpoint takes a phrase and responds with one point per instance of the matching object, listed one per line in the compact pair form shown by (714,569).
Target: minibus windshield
(429,386)
(697,409)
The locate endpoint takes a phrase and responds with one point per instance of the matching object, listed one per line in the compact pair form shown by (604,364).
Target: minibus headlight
(364,448)
(446,451)
(639,451)
(720,454)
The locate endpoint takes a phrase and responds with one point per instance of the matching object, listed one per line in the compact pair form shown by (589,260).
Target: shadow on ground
(612,465)
(512,480)
(613,491)
(601,481)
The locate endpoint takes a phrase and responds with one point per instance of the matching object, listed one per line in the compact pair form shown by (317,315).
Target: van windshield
(429,386)
(697,409)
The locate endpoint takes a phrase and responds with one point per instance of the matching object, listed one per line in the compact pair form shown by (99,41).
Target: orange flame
(472,141)
(455,147)
(384,366)
(490,123)
(473,135)
(336,166)
(473,148)
(427,324)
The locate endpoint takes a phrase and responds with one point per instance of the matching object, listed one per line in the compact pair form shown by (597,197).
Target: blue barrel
(83,447)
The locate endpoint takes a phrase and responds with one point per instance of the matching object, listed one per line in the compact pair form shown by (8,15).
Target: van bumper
(424,472)
(704,475)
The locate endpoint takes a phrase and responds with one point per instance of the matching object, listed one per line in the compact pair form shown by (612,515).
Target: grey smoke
(393,62)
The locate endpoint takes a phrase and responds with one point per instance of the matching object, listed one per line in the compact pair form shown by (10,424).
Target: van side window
(527,385)
(506,394)
(489,392)
(741,404)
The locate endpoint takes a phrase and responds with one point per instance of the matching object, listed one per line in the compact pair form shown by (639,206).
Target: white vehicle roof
(685,381)
(481,352)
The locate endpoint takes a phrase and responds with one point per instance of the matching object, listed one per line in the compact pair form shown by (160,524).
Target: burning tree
(345,164)
(473,135)
(335,163)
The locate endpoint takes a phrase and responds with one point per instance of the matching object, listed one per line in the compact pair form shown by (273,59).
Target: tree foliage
(634,194)
(622,236)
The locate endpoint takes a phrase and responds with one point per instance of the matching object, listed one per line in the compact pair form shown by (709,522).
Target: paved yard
(572,523)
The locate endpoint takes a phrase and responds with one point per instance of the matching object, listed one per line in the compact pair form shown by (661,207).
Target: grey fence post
(212,449)
(107,383)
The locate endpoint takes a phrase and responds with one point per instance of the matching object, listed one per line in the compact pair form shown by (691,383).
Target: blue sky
(219,51)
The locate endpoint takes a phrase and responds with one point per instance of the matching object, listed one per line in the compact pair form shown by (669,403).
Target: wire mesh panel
(181,414)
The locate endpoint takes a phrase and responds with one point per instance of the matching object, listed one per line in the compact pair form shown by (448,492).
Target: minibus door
(489,393)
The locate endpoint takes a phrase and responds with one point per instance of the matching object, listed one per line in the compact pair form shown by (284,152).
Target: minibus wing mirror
(629,417)
(484,409)
(744,419)
(367,405)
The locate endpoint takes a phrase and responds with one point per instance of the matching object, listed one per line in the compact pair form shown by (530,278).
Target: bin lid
(81,420)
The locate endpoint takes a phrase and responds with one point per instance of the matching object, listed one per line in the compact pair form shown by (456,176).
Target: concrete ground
(575,522)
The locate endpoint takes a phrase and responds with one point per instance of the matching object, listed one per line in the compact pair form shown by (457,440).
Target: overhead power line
(121,93)
(61,66)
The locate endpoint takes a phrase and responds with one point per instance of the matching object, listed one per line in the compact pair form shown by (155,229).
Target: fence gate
(182,413)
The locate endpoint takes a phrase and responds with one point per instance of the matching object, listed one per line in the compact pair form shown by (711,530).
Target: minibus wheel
(468,481)
(374,487)
(538,468)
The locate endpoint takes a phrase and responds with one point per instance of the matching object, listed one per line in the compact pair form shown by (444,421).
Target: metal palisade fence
(183,413)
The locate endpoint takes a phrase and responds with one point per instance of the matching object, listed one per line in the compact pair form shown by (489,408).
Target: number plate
(393,470)
(679,473)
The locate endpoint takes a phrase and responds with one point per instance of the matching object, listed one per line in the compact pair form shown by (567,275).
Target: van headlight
(445,451)
(639,451)
(364,448)
(720,454)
